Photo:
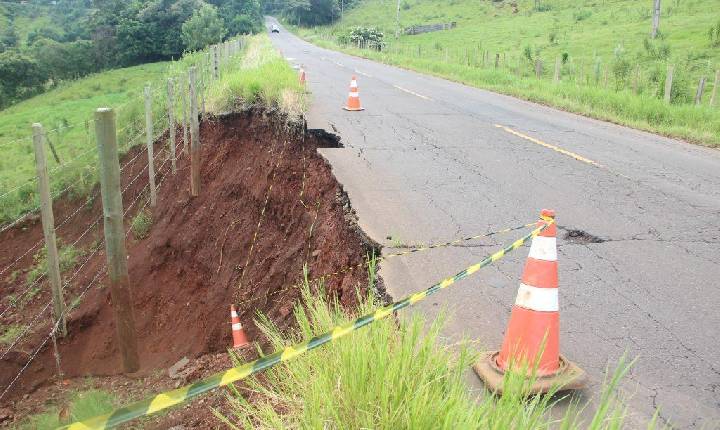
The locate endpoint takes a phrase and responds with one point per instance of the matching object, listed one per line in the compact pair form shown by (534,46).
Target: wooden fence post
(636,79)
(184,96)
(714,91)
(538,68)
(194,138)
(171,123)
(105,131)
(656,19)
(149,143)
(668,83)
(216,71)
(556,77)
(700,90)
(48,224)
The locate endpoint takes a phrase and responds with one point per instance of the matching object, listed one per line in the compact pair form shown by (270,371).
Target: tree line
(309,12)
(74,38)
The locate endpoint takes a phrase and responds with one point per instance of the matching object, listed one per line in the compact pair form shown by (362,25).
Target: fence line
(160,105)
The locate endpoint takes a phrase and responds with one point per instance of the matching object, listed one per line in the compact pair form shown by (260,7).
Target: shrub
(621,68)
(141,224)
(368,36)
(582,14)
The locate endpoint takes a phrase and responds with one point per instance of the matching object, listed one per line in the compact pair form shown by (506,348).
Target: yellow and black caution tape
(180,395)
(423,248)
(364,264)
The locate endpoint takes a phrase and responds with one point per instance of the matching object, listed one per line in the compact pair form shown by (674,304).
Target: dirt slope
(192,265)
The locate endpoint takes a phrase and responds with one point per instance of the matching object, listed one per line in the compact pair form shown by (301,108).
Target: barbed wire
(52,332)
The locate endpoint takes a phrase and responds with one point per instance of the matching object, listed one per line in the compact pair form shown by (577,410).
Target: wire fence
(73,170)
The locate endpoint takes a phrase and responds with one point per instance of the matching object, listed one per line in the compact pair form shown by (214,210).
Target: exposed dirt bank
(201,254)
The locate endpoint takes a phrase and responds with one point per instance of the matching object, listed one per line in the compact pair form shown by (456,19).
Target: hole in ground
(580,236)
(192,264)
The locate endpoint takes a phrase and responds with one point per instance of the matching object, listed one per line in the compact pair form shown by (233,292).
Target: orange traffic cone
(302,76)
(533,335)
(353,102)
(239,338)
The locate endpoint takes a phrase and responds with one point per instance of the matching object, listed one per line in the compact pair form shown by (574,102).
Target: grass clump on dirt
(263,77)
(610,68)
(141,224)
(68,255)
(392,374)
(10,333)
(82,405)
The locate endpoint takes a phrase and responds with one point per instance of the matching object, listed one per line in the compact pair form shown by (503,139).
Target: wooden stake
(171,122)
(194,138)
(700,90)
(668,83)
(216,70)
(538,68)
(556,77)
(105,131)
(48,224)
(184,97)
(149,144)
(656,19)
(715,86)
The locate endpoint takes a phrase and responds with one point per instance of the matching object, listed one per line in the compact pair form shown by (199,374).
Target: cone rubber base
(353,110)
(568,377)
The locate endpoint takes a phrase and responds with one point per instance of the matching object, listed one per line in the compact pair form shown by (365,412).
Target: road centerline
(550,146)
(412,92)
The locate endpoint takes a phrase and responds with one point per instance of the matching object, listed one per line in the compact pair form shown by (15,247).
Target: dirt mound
(203,253)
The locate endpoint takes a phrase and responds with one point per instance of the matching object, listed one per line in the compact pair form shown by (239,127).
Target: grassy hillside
(66,114)
(610,68)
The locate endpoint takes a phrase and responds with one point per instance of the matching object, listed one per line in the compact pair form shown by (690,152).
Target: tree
(204,28)
(21,76)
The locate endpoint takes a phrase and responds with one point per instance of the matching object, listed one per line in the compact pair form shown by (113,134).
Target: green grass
(82,405)
(598,38)
(392,374)
(262,77)
(66,115)
(67,254)
(141,224)
(10,333)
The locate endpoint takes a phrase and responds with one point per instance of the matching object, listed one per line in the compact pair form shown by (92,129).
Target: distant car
(274,29)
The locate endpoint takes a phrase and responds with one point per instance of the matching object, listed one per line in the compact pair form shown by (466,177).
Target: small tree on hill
(204,28)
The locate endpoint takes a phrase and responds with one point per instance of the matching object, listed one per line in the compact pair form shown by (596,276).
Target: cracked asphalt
(430,160)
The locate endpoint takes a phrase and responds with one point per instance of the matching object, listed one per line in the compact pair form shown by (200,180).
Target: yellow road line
(549,146)
(412,92)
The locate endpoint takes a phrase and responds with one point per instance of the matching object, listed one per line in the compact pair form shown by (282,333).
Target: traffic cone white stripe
(233,314)
(353,95)
(237,326)
(543,248)
(537,299)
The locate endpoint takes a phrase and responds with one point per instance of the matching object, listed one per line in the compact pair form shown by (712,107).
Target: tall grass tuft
(392,374)
(264,77)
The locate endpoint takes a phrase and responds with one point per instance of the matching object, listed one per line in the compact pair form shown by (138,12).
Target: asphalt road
(431,160)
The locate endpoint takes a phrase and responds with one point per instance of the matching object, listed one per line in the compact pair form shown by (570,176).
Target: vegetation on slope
(66,113)
(392,374)
(264,77)
(610,68)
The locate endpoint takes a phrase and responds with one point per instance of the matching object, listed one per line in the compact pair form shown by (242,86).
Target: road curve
(431,160)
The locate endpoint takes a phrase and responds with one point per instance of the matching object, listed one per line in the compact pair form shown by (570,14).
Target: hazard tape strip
(183,394)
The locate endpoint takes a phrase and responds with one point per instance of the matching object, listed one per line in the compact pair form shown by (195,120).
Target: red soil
(189,269)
